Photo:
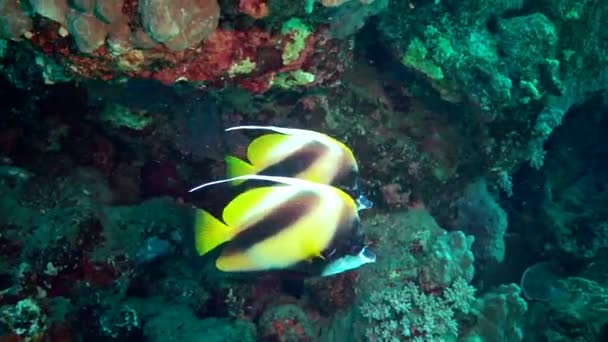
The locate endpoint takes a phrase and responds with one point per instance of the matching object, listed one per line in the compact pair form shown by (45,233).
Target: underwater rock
(88,31)
(56,10)
(109,11)
(14,22)
(179,24)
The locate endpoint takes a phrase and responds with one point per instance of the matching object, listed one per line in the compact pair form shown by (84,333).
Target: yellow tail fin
(209,232)
(236,167)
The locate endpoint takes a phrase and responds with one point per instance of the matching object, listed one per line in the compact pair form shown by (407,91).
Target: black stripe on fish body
(297,162)
(347,238)
(348,235)
(281,217)
(347,177)
(348,181)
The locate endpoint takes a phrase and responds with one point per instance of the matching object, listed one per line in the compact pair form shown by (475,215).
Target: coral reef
(416,291)
(481,216)
(478,127)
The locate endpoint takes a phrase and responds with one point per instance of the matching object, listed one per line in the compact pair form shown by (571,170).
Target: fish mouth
(367,255)
(364,203)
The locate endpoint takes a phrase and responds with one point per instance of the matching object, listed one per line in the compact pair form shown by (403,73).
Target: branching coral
(416,289)
(407,312)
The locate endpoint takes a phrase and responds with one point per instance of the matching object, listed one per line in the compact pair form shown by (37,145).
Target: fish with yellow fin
(282,226)
(299,153)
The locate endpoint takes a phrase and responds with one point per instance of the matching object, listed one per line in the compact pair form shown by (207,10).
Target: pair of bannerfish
(304,215)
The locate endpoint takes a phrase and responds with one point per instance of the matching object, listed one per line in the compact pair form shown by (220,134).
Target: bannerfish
(299,153)
(282,226)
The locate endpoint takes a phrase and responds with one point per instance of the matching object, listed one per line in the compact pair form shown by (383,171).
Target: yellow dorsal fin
(235,211)
(259,149)
(236,167)
(209,232)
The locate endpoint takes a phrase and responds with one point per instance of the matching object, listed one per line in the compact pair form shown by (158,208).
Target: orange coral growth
(254,8)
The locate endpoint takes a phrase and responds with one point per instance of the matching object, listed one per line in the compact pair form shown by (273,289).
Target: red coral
(335,293)
(259,84)
(222,50)
(47,38)
(210,62)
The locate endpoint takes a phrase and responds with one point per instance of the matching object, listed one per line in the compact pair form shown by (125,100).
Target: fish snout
(367,256)
(364,203)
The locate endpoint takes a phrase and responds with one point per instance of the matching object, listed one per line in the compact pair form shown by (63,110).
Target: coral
(120,323)
(582,304)
(350,18)
(420,282)
(13,22)
(526,42)
(156,39)
(171,22)
(480,215)
(256,9)
(285,323)
(296,33)
(56,10)
(542,282)
(433,257)
(407,313)
(294,79)
(335,3)
(499,316)
(575,225)
(153,249)
(118,116)
(162,327)
(88,32)
(335,293)
(430,95)
(25,319)
(416,57)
